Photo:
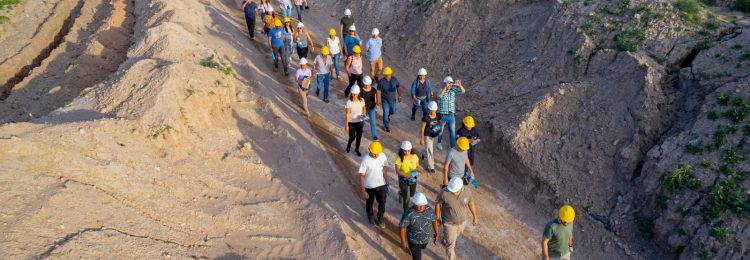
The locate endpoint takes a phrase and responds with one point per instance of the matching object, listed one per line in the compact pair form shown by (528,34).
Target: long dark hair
(401,153)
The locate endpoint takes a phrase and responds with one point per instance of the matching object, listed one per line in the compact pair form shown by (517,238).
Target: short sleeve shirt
(355,110)
(471,134)
(559,237)
(350,42)
(347,21)
(372,168)
(388,88)
(419,225)
(374,48)
(454,208)
(250,9)
(301,74)
(457,162)
(323,64)
(432,125)
(369,97)
(407,165)
(277,37)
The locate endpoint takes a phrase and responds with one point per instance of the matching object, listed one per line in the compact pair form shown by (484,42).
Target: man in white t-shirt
(374,182)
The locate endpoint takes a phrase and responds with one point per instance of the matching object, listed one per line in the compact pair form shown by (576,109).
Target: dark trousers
(279,55)
(372,195)
(355,133)
(353,78)
(407,190)
(416,250)
(422,104)
(302,52)
(250,20)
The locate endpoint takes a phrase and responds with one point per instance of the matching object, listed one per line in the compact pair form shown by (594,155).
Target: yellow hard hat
(387,71)
(357,49)
(287,20)
(332,31)
(277,22)
(463,143)
(324,50)
(566,214)
(469,122)
(375,148)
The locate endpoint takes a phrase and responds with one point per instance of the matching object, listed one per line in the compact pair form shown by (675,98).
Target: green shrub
(712,25)
(728,196)
(629,40)
(680,178)
(8,3)
(220,66)
(737,114)
(693,149)
(690,10)
(712,115)
(732,156)
(705,163)
(745,56)
(719,232)
(737,46)
(742,5)
(723,99)
(3,19)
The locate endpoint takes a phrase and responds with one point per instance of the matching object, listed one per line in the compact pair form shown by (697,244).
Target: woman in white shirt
(303,77)
(355,119)
(334,46)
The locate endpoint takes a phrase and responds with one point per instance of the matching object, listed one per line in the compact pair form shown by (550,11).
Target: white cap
(352,28)
(270,9)
(422,72)
(455,184)
(406,145)
(367,80)
(448,79)
(375,31)
(300,25)
(419,199)
(355,89)
(347,12)
(432,106)
(302,61)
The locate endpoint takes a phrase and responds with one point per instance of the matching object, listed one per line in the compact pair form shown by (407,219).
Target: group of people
(419,223)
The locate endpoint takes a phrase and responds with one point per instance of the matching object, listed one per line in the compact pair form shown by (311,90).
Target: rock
(247,147)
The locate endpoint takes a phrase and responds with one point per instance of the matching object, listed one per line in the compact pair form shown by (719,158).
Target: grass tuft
(629,40)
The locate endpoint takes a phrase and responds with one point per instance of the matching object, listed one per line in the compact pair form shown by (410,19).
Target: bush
(732,156)
(719,232)
(8,3)
(722,99)
(629,40)
(678,179)
(690,9)
(742,5)
(712,25)
(693,149)
(713,115)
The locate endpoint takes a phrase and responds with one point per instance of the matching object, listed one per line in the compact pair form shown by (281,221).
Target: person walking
(285,7)
(373,179)
(276,39)
(374,47)
(351,40)
(431,125)
(407,164)
(355,118)
(354,69)
(469,131)
(250,8)
(372,101)
(303,78)
(334,45)
(421,92)
(557,242)
(323,66)
(301,5)
(414,228)
(447,109)
(346,22)
(265,6)
(457,161)
(288,41)
(304,41)
(268,20)
(390,94)
(451,208)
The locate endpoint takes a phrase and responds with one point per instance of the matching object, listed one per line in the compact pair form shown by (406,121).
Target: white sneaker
(440,146)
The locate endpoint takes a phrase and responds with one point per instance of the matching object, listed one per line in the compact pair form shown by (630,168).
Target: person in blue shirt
(276,38)
(390,90)
(421,92)
(251,11)
(351,40)
(374,47)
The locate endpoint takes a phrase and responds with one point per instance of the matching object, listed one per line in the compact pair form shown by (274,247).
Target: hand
(398,99)
(421,141)
(445,181)
(458,82)
(364,194)
(435,238)
(413,98)
(346,129)
(475,220)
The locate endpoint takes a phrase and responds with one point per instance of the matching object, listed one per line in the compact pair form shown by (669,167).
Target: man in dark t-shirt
(346,22)
(372,100)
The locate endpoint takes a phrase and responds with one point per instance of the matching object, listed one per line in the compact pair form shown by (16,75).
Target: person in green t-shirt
(557,242)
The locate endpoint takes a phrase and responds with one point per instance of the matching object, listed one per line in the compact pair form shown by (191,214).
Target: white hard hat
(419,199)
(432,106)
(355,89)
(300,25)
(352,28)
(422,72)
(375,31)
(448,79)
(302,61)
(270,9)
(455,184)
(367,80)
(347,12)
(406,145)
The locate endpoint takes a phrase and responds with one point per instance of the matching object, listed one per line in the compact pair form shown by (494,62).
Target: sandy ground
(167,159)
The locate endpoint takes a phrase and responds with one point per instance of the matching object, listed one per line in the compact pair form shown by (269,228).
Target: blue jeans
(299,12)
(371,114)
(288,51)
(336,58)
(423,104)
(324,80)
(286,12)
(450,120)
(388,110)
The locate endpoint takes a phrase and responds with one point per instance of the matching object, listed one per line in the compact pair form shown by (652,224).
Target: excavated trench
(78,46)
